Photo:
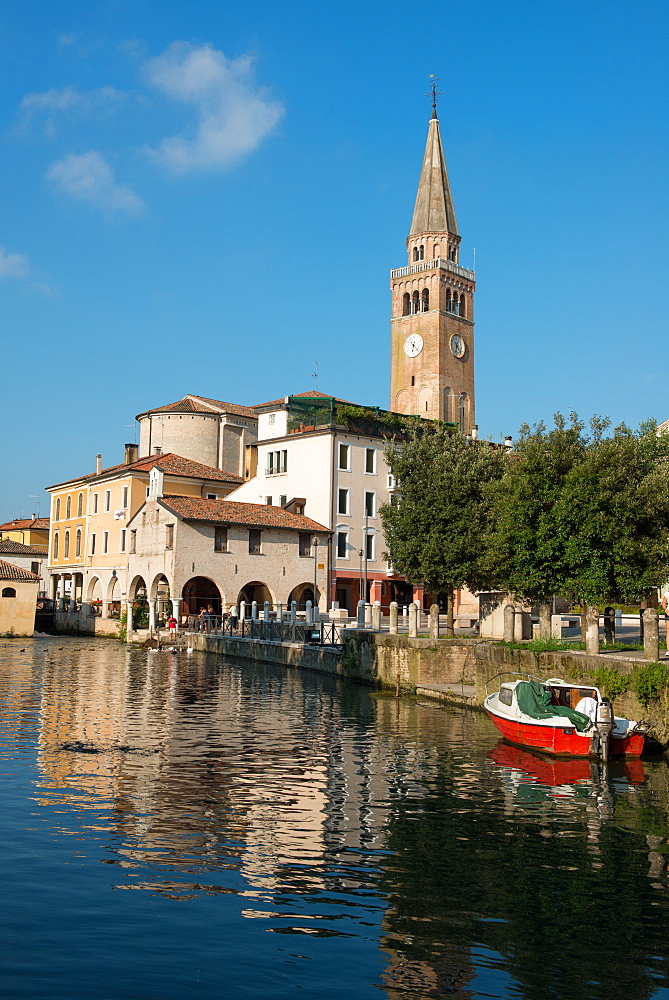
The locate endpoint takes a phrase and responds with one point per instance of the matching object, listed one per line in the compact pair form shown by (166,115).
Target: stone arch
(113,589)
(8,592)
(255,590)
(160,592)
(406,304)
(94,590)
(137,588)
(424,401)
(200,592)
(302,593)
(425,300)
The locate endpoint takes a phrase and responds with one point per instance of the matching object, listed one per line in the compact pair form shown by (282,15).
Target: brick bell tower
(432,324)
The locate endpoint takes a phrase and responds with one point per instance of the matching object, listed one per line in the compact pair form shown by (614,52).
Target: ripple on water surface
(177,826)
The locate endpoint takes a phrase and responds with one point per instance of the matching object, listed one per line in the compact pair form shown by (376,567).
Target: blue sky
(207,197)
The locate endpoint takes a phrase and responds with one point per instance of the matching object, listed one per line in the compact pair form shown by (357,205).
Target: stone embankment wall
(387,659)
(84,623)
(290,654)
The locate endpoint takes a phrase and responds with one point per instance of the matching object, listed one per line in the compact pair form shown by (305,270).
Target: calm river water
(176,827)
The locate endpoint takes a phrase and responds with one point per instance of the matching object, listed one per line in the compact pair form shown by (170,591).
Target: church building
(432,320)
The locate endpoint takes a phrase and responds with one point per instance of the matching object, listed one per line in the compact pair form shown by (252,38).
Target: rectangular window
(370,504)
(169,536)
(93,544)
(370,460)
(212,496)
(220,539)
(283,500)
(343,502)
(95,502)
(342,544)
(107,500)
(105,542)
(305,543)
(268,501)
(125,498)
(369,546)
(55,546)
(77,544)
(344,456)
(255,536)
(277,461)
(133,542)
(272,418)
(34,568)
(122,543)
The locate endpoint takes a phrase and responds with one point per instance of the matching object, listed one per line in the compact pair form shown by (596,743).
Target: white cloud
(13,265)
(51,105)
(88,177)
(233,113)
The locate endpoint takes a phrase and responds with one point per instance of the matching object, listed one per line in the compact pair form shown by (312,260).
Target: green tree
(613,516)
(437,522)
(527,546)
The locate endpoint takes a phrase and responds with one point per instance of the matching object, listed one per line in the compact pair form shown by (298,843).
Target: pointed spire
(433,211)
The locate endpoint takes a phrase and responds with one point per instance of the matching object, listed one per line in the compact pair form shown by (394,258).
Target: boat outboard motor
(605,726)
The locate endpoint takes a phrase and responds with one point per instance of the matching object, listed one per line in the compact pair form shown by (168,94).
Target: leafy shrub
(611,682)
(649,681)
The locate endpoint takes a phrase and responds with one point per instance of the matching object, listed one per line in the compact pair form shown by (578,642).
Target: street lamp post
(364,545)
(314,542)
(360,597)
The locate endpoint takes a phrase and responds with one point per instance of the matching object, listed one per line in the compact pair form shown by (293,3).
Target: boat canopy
(534,699)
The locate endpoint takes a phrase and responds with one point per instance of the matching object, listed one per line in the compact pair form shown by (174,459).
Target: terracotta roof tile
(171,464)
(201,404)
(8,547)
(233,512)
(36,523)
(8,571)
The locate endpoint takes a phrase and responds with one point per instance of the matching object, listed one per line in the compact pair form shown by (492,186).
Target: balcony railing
(427,265)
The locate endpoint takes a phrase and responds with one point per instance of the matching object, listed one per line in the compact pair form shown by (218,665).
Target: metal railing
(273,630)
(427,265)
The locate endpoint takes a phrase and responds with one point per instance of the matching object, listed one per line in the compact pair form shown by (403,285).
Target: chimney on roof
(130,454)
(33,516)
(98,464)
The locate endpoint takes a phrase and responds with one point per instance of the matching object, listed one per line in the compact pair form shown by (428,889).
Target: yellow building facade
(89,539)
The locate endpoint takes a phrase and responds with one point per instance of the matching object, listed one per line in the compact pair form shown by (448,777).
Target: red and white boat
(558,717)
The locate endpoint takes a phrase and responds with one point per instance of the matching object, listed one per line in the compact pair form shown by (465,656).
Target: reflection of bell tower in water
(432,325)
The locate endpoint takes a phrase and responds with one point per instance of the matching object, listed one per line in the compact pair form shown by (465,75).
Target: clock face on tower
(413,345)
(457,346)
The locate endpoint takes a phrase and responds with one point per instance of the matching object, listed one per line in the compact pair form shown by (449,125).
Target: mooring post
(413,620)
(592,630)
(361,614)
(308,610)
(434,621)
(242,611)
(254,611)
(376,616)
(293,612)
(651,635)
(393,618)
(509,622)
(265,613)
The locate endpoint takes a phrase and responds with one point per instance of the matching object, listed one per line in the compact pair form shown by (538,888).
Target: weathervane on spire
(433,93)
